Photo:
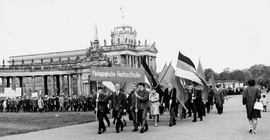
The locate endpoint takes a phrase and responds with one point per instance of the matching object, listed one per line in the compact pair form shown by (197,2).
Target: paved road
(232,125)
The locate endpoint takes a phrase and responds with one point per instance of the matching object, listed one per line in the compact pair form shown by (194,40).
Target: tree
(208,72)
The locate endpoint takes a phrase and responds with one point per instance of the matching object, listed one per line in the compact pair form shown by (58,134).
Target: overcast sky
(231,33)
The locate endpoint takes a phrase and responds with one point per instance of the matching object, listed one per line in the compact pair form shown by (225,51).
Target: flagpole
(164,74)
(97,102)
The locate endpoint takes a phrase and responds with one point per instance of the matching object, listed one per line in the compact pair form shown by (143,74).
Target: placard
(116,74)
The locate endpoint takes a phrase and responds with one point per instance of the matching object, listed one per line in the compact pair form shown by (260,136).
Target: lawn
(16,123)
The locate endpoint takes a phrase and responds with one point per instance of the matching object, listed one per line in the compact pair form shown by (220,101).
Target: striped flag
(186,69)
(201,75)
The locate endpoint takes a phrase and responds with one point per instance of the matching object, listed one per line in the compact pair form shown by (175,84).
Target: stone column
(13,87)
(33,83)
(140,61)
(61,84)
(3,84)
(53,83)
(130,61)
(134,62)
(137,61)
(79,84)
(70,83)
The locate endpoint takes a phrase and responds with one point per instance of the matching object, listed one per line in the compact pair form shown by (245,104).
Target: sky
(232,34)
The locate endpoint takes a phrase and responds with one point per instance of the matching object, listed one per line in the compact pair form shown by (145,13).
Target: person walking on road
(250,96)
(154,98)
(118,99)
(219,99)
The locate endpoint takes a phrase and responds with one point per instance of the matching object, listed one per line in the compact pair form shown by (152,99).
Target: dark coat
(219,98)
(143,102)
(170,96)
(251,95)
(102,103)
(118,102)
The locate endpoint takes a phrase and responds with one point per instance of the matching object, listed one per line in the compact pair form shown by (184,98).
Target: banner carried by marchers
(117,74)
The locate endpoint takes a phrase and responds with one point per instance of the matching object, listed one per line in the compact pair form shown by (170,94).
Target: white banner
(109,85)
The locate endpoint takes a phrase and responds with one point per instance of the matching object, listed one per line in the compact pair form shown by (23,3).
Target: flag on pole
(147,69)
(201,75)
(186,69)
(212,81)
(165,67)
(168,76)
(181,95)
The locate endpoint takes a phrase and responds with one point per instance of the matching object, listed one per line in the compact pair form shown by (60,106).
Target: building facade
(68,71)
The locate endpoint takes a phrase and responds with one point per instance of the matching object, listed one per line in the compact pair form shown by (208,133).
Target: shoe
(250,130)
(170,125)
(201,119)
(174,123)
(135,130)
(99,132)
(155,125)
(142,130)
(122,128)
(117,131)
(146,128)
(194,120)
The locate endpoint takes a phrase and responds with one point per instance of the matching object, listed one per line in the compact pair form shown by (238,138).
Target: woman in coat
(154,98)
(250,96)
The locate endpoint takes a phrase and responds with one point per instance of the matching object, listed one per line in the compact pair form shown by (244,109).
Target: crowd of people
(142,101)
(52,103)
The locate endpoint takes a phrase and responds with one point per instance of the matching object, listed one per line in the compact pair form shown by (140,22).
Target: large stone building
(68,72)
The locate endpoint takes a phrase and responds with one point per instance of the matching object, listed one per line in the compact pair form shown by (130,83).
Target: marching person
(250,96)
(133,107)
(102,108)
(170,92)
(118,100)
(154,98)
(142,98)
(219,99)
(197,102)
(209,102)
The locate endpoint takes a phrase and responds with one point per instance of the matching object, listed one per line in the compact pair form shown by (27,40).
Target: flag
(201,75)
(109,85)
(186,69)
(212,81)
(162,73)
(168,76)
(154,83)
(146,80)
(181,95)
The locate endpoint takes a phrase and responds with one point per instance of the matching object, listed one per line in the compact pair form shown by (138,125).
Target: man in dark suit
(197,102)
(118,100)
(133,106)
(172,102)
(101,98)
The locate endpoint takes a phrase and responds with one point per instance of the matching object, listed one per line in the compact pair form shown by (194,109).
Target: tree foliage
(260,73)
